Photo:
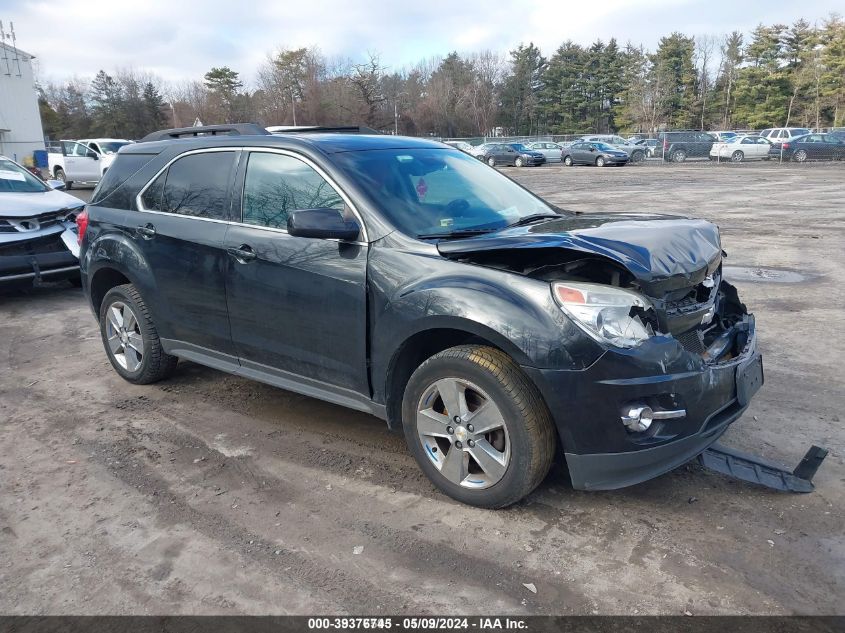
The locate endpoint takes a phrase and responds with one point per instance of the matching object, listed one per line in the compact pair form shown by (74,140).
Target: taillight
(81,225)
(665,144)
(785,145)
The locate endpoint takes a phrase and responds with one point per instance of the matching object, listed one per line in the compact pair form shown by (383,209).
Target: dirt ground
(208,493)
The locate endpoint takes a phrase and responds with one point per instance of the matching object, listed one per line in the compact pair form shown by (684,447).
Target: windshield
(436,192)
(519,147)
(16,179)
(111,147)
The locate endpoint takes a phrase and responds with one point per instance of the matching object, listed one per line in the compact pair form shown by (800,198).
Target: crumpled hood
(663,252)
(26,205)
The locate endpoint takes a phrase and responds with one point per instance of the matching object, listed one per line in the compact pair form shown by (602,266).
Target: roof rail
(233,129)
(320,129)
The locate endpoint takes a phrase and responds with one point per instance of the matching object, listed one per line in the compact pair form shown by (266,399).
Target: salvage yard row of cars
(796,144)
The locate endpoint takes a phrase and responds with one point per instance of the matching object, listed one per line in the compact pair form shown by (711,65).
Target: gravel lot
(212,494)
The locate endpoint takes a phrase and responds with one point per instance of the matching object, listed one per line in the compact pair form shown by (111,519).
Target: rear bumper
(587,406)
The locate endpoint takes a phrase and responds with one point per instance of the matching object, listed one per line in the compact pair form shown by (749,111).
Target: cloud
(182,39)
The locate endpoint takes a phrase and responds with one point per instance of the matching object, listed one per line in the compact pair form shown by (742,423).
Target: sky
(182,39)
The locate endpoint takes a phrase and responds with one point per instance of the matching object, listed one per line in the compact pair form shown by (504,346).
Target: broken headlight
(608,314)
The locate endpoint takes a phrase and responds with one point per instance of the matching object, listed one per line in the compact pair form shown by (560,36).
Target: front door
(296,305)
(80,163)
(180,229)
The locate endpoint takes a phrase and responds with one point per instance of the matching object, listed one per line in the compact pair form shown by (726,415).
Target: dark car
(810,147)
(676,147)
(527,157)
(400,277)
(598,154)
(496,154)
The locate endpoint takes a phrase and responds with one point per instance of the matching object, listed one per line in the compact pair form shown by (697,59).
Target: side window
(151,198)
(95,147)
(72,148)
(198,185)
(277,184)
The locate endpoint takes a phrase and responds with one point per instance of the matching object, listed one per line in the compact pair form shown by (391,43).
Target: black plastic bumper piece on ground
(747,467)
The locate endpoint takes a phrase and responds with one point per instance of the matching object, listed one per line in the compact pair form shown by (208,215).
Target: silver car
(635,152)
(552,151)
(37,227)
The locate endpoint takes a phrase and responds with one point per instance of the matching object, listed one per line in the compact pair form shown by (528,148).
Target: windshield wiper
(457,233)
(528,219)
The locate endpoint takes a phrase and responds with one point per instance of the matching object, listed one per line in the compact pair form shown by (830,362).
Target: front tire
(637,157)
(131,339)
(600,161)
(491,161)
(568,161)
(519,162)
(737,156)
(477,426)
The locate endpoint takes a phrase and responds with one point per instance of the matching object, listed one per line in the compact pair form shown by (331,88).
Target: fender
(106,246)
(515,313)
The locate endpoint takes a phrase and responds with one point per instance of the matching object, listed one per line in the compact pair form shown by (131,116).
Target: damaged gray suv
(404,278)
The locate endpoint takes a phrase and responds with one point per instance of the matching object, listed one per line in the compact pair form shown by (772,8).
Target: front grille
(51,244)
(43,221)
(692,341)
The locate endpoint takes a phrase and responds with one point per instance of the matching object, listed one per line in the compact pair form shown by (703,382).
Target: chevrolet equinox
(402,277)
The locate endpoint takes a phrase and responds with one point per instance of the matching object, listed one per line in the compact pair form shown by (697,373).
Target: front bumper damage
(700,393)
(48,252)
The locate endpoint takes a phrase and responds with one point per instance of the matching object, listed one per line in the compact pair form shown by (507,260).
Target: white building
(20,121)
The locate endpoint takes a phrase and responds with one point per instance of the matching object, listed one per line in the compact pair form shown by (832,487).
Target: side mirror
(326,224)
(58,185)
(592,149)
(92,154)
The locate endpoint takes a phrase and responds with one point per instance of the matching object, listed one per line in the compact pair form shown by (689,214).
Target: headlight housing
(608,314)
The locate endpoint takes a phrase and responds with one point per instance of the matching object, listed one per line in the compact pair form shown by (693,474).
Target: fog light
(638,418)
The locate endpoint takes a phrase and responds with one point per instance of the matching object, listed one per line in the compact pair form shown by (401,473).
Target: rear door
(182,220)
(297,305)
(80,164)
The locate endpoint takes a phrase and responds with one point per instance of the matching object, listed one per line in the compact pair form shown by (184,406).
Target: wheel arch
(425,343)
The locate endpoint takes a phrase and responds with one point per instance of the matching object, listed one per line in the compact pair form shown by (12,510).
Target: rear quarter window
(110,192)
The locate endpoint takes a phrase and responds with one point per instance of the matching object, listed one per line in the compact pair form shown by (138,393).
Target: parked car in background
(552,151)
(677,146)
(527,157)
(598,154)
(635,152)
(73,162)
(38,238)
(809,147)
(741,148)
(105,147)
(467,312)
(781,134)
(725,136)
(650,145)
(496,154)
(461,145)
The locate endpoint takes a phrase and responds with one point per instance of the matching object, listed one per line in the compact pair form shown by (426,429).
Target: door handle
(243,253)
(147,231)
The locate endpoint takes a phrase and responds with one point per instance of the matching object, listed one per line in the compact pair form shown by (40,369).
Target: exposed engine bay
(707,318)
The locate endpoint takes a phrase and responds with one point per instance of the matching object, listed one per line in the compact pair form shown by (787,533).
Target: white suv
(781,134)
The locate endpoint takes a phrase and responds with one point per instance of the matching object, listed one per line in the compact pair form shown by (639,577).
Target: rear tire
(800,156)
(131,339)
(678,156)
(491,161)
(568,161)
(522,439)
(737,156)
